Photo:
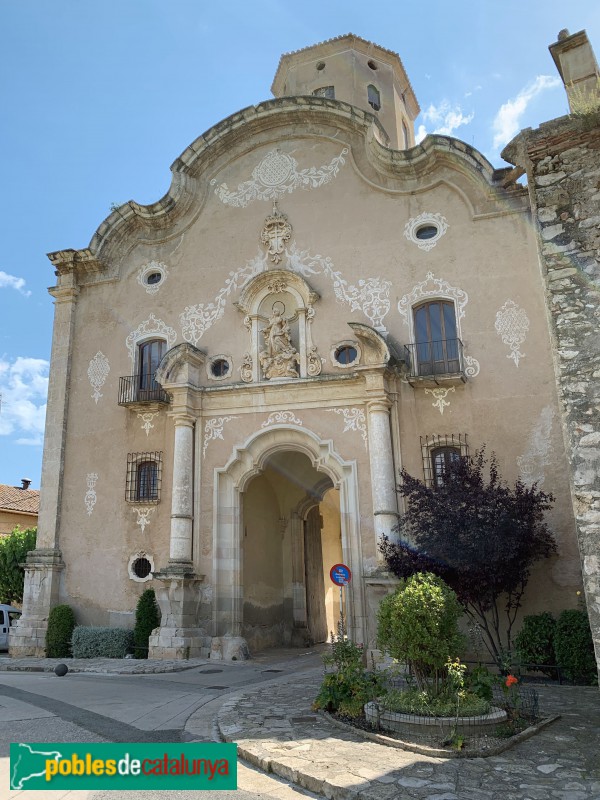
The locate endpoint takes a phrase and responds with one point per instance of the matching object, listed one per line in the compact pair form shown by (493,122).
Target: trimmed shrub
(147,617)
(89,642)
(534,643)
(574,647)
(418,625)
(61,622)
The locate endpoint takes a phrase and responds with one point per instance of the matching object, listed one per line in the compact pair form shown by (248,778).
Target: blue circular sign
(340,574)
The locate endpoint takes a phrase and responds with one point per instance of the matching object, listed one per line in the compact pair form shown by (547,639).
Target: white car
(7,615)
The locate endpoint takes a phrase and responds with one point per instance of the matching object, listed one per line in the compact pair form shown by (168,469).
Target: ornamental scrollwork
(426,219)
(281,418)
(354,420)
(148,327)
(90,495)
(512,325)
(275,233)
(433,287)
(275,175)
(213,429)
(440,395)
(98,370)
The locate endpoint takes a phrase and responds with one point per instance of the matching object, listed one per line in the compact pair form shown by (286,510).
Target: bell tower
(358,72)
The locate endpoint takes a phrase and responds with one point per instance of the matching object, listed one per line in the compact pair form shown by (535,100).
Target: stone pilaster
(562,159)
(44,564)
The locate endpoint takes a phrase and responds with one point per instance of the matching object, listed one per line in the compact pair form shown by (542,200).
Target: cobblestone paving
(277,731)
(121,666)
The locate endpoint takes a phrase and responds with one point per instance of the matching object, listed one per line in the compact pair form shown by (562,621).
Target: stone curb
(121,666)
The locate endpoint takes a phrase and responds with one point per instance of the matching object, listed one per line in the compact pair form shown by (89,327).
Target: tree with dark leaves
(479,535)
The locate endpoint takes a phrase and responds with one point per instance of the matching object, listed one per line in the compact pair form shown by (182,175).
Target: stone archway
(255,458)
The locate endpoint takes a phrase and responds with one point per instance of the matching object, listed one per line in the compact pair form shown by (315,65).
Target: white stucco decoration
(148,269)
(354,420)
(98,370)
(369,295)
(539,447)
(145,330)
(147,418)
(413,225)
(213,429)
(440,394)
(133,559)
(197,319)
(433,287)
(281,418)
(143,516)
(472,368)
(278,174)
(512,325)
(90,495)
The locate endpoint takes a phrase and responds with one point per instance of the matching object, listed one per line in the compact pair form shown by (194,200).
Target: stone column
(44,564)
(180,551)
(300,634)
(383,479)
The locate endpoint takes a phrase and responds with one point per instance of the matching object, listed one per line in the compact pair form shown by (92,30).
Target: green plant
(13,553)
(348,686)
(418,625)
(480,681)
(414,701)
(534,644)
(61,623)
(147,618)
(574,646)
(90,642)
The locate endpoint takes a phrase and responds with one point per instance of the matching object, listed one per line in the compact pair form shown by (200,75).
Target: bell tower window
(374,97)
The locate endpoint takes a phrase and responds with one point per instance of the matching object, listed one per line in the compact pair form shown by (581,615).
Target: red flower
(510,681)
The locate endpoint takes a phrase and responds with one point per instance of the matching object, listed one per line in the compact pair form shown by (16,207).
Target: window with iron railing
(439,451)
(437,350)
(144,476)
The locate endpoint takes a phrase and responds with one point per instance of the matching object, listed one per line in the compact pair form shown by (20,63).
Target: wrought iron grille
(144,476)
(435,445)
(141,389)
(430,359)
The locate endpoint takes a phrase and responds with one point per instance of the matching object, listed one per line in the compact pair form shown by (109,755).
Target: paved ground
(265,706)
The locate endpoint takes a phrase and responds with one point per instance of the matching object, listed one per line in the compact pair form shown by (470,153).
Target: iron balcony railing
(141,389)
(434,359)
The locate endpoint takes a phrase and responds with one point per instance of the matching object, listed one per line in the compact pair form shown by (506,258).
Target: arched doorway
(280,496)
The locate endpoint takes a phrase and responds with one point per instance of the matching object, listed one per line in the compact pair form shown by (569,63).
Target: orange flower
(510,681)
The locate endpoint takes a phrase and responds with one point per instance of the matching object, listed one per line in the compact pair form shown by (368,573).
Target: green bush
(61,622)
(147,617)
(574,647)
(534,644)
(89,642)
(413,701)
(13,553)
(418,625)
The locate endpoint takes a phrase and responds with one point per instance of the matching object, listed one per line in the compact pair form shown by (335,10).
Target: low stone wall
(413,726)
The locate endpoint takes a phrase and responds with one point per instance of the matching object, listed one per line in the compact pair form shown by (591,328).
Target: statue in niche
(280,359)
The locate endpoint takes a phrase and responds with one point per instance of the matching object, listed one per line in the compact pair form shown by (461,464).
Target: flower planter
(413,726)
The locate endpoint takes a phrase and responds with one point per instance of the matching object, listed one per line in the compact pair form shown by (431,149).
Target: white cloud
(507,121)
(24,388)
(445,119)
(11,282)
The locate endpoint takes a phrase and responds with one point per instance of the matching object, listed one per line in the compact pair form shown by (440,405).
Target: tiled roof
(14,499)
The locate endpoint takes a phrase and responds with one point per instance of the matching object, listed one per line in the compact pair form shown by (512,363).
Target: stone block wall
(562,160)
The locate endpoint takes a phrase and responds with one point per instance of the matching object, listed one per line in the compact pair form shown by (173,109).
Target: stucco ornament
(472,368)
(534,460)
(90,495)
(197,319)
(278,174)
(213,429)
(246,368)
(98,370)
(143,516)
(130,566)
(149,269)
(433,287)
(354,420)
(512,325)
(440,394)
(147,328)
(280,358)
(281,418)
(275,233)
(369,295)
(147,418)
(425,219)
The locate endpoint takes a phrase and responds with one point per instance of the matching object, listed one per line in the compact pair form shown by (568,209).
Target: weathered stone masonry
(562,159)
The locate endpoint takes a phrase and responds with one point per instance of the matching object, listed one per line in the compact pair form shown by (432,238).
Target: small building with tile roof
(19,505)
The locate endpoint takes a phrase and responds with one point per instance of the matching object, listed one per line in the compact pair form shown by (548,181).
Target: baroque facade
(240,370)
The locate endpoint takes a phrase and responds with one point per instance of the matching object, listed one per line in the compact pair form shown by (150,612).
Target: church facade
(240,370)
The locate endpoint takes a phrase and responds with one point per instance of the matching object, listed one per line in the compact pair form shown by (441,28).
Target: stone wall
(562,159)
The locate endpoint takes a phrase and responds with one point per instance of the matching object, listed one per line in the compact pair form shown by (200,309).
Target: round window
(321,65)
(346,354)
(426,232)
(142,567)
(153,278)
(219,367)
(372,64)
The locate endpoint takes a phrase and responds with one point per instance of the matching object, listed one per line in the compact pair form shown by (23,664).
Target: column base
(229,648)
(179,644)
(27,637)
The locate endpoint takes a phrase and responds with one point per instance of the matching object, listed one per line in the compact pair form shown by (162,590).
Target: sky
(99,97)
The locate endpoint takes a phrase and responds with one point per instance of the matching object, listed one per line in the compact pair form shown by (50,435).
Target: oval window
(346,354)
(153,278)
(219,367)
(426,232)
(321,65)
(142,567)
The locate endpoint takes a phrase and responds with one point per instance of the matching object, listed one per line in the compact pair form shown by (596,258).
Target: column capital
(382,404)
(182,419)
